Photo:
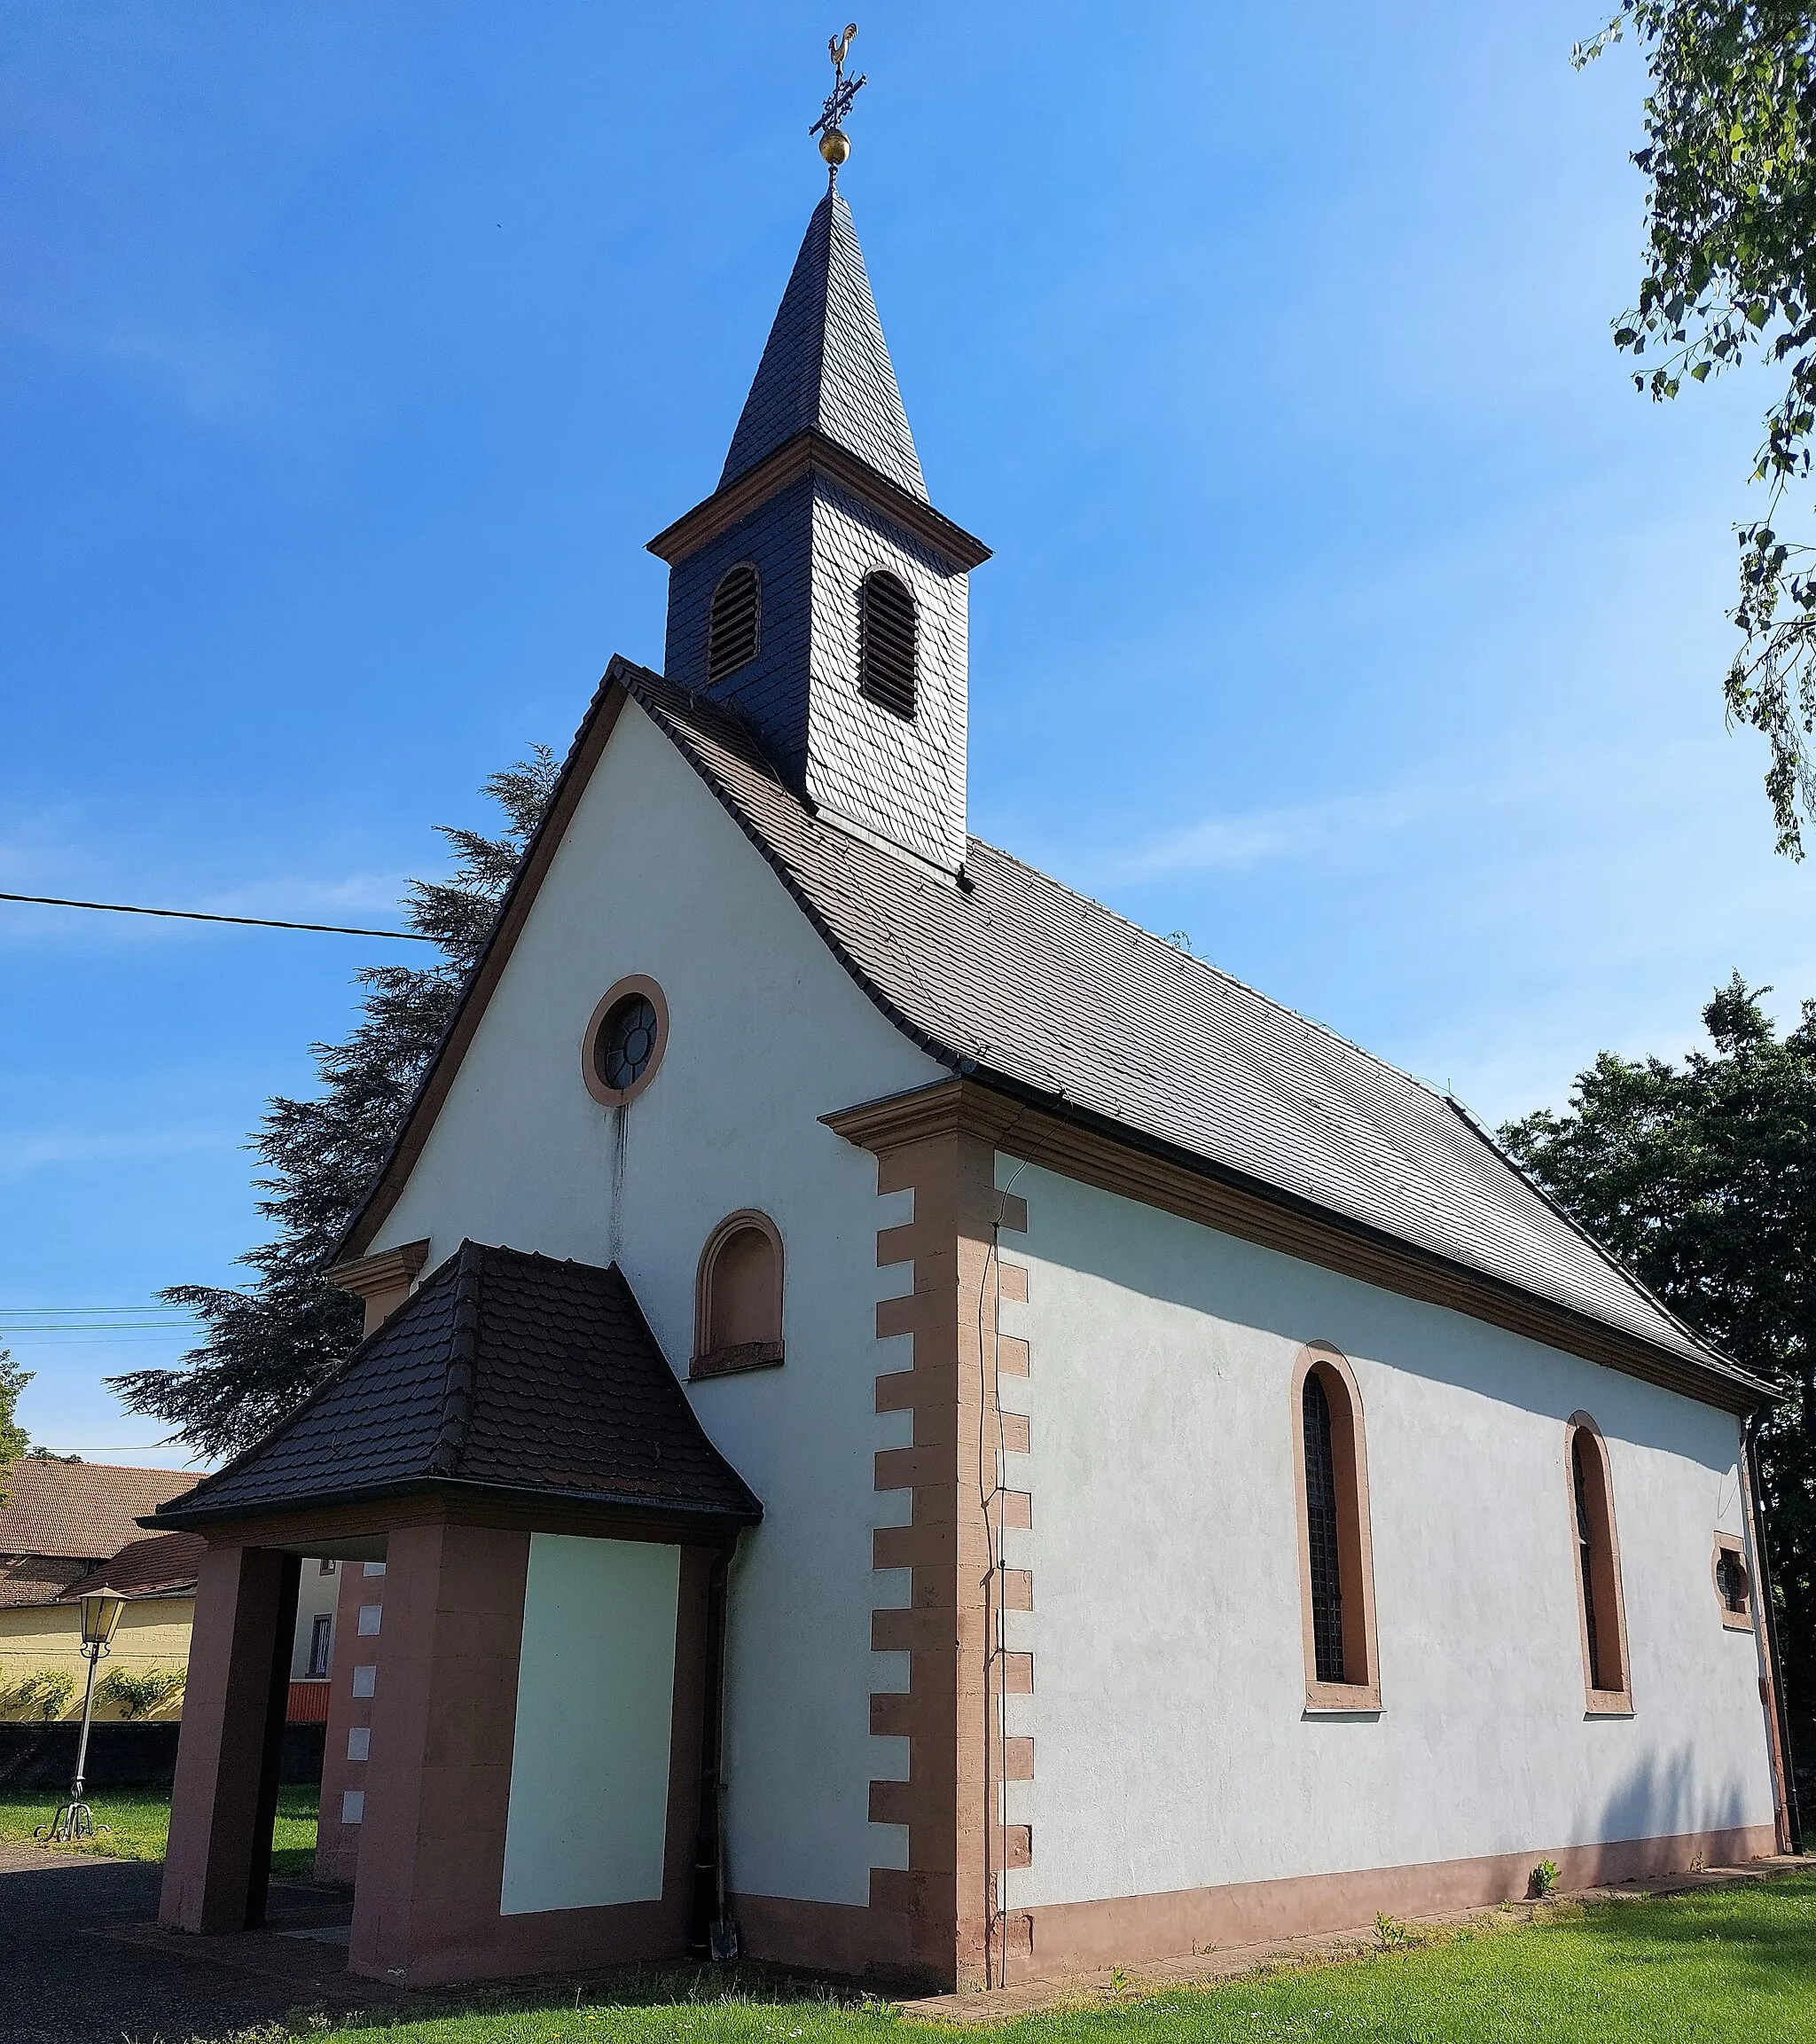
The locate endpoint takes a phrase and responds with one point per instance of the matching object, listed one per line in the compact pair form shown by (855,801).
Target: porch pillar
(219,1857)
(438,1780)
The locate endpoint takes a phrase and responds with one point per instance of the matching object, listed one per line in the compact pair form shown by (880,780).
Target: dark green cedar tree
(268,1347)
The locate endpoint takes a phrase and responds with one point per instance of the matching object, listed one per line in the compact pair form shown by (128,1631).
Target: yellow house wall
(152,1632)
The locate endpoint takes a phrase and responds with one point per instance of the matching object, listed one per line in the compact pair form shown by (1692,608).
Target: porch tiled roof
(507,1373)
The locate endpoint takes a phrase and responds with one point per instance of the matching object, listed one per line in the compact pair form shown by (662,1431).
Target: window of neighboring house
(325,1568)
(738,1297)
(886,643)
(1734,1584)
(321,1638)
(734,625)
(1335,1555)
(1602,1619)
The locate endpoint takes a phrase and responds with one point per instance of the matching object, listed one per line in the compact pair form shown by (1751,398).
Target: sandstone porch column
(225,1797)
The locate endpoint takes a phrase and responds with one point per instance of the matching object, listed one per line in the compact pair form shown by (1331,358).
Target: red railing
(308,1703)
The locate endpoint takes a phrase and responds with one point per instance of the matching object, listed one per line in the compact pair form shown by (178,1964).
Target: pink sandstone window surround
(738,1297)
(1734,1582)
(1336,1553)
(622,1047)
(1596,1555)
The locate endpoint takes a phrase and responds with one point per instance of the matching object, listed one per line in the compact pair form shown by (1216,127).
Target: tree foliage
(268,1346)
(1701,1178)
(1730,276)
(13,1438)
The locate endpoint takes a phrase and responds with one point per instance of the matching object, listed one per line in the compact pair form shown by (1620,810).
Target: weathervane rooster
(834,145)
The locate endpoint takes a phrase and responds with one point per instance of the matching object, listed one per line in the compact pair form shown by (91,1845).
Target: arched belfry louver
(886,643)
(736,621)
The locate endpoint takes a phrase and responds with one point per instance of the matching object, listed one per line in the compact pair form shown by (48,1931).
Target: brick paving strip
(1236,1962)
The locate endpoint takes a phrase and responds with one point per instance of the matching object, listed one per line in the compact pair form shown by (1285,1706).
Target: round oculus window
(625,1041)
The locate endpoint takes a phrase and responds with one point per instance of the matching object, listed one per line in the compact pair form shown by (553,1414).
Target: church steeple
(817,590)
(826,365)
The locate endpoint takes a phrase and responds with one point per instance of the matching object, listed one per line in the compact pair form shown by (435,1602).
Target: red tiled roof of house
(85,1511)
(159,1565)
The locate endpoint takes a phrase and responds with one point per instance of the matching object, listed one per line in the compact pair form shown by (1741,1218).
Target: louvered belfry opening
(1731,1580)
(1321,1533)
(734,627)
(886,633)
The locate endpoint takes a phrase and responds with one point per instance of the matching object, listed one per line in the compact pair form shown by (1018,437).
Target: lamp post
(100,1614)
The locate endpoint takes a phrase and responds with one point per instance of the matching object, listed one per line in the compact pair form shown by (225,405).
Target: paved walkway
(999,2004)
(83,1962)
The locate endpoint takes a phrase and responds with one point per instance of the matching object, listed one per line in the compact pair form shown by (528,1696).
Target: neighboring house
(900,1410)
(70,1527)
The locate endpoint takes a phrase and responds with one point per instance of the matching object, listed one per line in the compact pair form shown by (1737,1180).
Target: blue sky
(1349,612)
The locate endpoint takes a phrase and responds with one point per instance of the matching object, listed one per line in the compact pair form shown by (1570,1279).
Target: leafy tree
(13,1435)
(1730,276)
(268,1347)
(1701,1178)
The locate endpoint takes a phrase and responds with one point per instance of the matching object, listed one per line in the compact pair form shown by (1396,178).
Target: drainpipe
(1772,1680)
(712,1933)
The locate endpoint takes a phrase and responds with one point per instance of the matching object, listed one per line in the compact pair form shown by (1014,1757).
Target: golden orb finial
(835,146)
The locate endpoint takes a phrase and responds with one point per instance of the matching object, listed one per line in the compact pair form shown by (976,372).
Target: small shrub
(138,1693)
(1390,1934)
(46,1694)
(1544,1877)
(1119,1980)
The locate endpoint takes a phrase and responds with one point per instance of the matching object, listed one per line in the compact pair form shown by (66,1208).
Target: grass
(1723,1966)
(134,1823)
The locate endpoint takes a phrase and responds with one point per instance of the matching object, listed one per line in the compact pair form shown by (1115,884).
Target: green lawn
(1734,1966)
(133,1824)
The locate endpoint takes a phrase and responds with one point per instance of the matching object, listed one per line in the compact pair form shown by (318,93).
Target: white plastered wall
(767,1032)
(1173,1746)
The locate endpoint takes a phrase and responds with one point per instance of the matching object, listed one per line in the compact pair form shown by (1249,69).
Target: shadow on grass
(1769,1926)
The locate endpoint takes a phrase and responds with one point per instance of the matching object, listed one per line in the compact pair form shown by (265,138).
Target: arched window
(886,643)
(1598,1572)
(1337,1562)
(735,624)
(738,1297)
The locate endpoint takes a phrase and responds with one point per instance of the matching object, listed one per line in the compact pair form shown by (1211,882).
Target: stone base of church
(1066,1938)
(855,1942)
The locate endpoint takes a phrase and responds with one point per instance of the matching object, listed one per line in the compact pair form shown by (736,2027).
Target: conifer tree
(268,1346)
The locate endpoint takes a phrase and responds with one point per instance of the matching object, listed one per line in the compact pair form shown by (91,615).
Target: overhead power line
(202,915)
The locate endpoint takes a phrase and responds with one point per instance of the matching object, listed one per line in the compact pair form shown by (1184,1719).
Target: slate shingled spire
(827,366)
(816,590)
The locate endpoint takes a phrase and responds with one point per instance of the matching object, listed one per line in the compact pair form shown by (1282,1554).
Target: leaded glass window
(1585,1556)
(1321,1533)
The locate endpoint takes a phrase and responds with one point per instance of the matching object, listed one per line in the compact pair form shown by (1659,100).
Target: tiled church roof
(825,365)
(512,1373)
(1020,980)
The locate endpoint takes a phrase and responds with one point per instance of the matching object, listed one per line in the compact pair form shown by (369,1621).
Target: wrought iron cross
(834,143)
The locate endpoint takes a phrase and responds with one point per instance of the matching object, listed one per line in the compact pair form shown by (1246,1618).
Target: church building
(908,1427)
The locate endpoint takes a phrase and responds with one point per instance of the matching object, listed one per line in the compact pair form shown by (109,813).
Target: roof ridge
(463,1363)
(1217,971)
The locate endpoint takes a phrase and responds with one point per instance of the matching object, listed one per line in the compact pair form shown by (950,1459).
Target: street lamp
(100,1614)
